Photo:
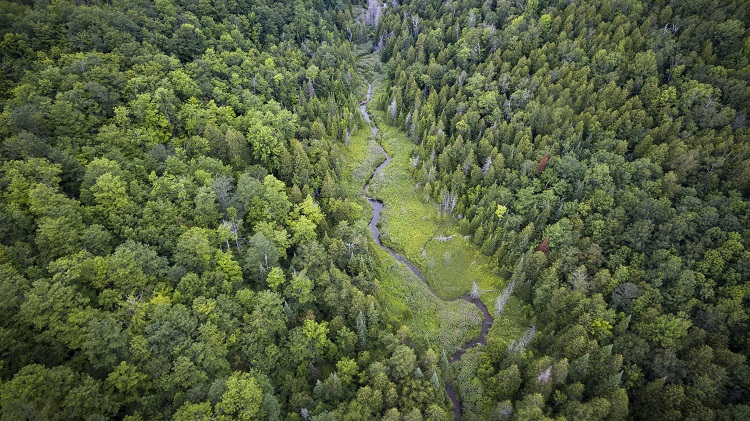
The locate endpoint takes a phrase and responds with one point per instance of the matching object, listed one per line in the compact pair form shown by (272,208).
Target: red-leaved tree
(543,162)
(543,246)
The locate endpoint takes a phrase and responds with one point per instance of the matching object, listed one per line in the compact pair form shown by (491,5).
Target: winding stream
(377,207)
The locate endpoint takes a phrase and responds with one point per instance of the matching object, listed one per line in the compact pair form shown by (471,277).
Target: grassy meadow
(412,225)
(431,321)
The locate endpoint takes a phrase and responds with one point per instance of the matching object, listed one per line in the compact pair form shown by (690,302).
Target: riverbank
(444,326)
(377,205)
(439,311)
(412,225)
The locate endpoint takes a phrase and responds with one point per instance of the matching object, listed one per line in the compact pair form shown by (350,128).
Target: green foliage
(182,233)
(242,399)
(170,186)
(598,172)
(402,362)
(275,278)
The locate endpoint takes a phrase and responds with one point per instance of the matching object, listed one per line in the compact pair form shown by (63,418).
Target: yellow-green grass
(443,325)
(412,225)
(452,266)
(368,65)
(360,157)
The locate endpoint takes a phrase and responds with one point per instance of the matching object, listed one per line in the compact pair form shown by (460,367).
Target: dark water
(377,207)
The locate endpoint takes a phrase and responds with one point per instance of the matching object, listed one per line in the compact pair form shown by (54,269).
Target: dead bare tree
(449,202)
(222,186)
(503,298)
(474,291)
(486,166)
(544,376)
(382,40)
(373,12)
(233,227)
(670,28)
(504,410)
(579,279)
(523,341)
(310,89)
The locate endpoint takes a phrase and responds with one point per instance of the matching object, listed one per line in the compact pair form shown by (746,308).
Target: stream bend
(377,208)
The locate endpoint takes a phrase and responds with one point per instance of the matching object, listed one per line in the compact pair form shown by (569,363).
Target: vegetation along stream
(377,208)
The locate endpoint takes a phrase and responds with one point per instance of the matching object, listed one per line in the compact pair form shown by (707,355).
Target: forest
(182,235)
(598,151)
(174,242)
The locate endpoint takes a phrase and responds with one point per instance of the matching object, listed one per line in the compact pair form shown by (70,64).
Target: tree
(37,392)
(316,333)
(242,400)
(309,341)
(668,331)
(57,237)
(265,143)
(274,194)
(88,400)
(134,268)
(194,412)
(300,288)
(402,362)
(304,220)
(260,257)
(126,382)
(506,383)
(346,368)
(56,311)
(105,343)
(661,399)
(531,408)
(188,42)
(206,213)
(275,278)
(232,271)
(113,205)
(238,148)
(194,250)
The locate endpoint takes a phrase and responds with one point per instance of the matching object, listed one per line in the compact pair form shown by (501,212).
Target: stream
(377,207)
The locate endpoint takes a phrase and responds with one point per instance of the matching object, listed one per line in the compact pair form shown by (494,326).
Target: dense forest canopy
(176,241)
(612,139)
